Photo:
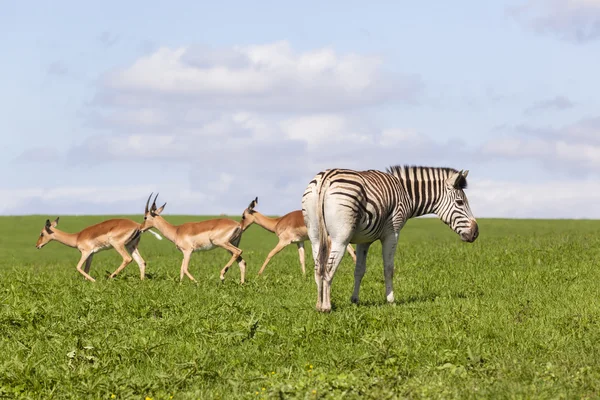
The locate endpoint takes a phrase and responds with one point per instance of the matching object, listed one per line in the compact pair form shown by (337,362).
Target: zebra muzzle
(472,234)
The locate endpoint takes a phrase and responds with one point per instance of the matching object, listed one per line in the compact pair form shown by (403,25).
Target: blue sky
(213,103)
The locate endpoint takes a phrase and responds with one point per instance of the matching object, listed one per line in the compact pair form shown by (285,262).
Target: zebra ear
(465,173)
(458,180)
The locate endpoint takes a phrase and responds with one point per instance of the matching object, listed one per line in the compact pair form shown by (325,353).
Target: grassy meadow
(514,315)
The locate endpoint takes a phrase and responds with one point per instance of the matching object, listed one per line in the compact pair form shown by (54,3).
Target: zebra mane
(402,172)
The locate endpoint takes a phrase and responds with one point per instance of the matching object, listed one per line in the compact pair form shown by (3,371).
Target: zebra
(361,207)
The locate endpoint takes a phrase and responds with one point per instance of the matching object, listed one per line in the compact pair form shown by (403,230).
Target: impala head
(248,214)
(453,207)
(47,233)
(151,213)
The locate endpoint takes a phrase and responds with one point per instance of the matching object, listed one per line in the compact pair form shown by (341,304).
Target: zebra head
(453,207)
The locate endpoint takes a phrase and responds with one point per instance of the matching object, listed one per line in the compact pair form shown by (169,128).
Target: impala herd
(124,236)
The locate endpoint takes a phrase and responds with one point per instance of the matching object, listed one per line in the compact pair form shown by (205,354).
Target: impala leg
(132,248)
(126,258)
(280,246)
(351,252)
(88,263)
(301,255)
(359,270)
(187,254)
(236,253)
(140,262)
(388,250)
(84,257)
(242,265)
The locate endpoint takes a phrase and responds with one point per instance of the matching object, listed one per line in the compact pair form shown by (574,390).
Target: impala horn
(147,203)
(153,208)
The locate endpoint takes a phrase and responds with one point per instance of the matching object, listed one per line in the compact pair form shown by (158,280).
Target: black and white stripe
(348,206)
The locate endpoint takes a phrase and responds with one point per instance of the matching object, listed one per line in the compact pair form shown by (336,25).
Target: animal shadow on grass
(420,298)
(148,275)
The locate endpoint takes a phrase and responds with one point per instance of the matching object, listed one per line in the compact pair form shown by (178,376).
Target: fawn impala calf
(289,229)
(121,234)
(195,236)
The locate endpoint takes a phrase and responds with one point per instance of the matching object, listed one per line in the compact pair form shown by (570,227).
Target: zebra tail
(324,241)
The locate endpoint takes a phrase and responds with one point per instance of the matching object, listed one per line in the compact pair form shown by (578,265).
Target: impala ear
(55,222)
(48,226)
(157,212)
(253,204)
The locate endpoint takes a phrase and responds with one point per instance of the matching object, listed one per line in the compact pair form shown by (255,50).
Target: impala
(289,229)
(195,236)
(121,234)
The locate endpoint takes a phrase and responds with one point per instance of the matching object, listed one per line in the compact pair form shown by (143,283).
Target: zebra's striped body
(364,206)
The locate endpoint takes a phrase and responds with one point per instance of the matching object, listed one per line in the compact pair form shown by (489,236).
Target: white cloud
(82,199)
(130,199)
(558,154)
(554,104)
(569,147)
(57,68)
(548,199)
(319,129)
(573,20)
(270,77)
(396,137)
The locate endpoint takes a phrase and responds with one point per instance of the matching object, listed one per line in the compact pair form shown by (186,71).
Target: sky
(214,103)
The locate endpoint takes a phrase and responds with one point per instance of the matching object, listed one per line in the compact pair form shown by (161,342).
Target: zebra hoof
(390,298)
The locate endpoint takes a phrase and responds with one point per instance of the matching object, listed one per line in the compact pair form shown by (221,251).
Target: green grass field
(514,315)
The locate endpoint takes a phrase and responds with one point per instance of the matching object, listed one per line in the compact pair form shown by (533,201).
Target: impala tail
(156,235)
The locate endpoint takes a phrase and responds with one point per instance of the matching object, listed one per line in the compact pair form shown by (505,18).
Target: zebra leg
(359,270)
(335,257)
(388,250)
(318,276)
(313,236)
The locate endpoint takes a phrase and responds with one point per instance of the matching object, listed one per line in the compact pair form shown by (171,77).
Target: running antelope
(195,236)
(289,229)
(121,234)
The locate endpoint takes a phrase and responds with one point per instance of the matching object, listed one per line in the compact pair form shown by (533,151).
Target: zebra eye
(460,203)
